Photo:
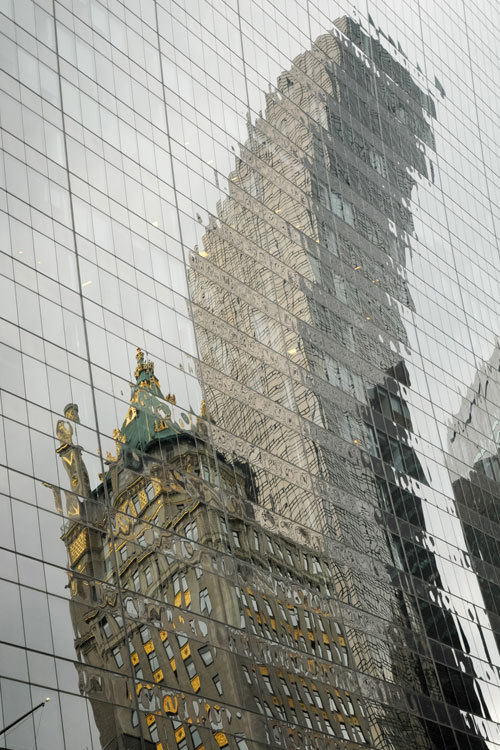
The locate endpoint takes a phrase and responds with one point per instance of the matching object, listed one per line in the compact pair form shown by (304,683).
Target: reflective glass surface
(249,375)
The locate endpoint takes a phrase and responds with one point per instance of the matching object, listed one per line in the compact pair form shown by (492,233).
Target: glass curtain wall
(249,375)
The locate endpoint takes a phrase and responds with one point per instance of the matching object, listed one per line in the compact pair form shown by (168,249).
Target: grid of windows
(277,526)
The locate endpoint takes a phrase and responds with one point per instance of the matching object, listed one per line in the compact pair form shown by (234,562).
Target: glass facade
(249,375)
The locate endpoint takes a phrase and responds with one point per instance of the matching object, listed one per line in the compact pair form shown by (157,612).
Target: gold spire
(204,417)
(144,366)
(148,368)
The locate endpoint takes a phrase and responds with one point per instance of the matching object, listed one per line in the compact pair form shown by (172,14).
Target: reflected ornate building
(196,623)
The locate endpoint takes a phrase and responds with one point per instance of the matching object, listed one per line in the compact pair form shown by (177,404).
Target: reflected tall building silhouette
(474,466)
(316,227)
(444,669)
(298,296)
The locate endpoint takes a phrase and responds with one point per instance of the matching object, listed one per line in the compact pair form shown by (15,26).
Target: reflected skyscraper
(317,224)
(423,600)
(475,473)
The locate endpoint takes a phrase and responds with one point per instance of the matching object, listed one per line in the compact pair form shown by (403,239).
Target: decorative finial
(64,432)
(203,418)
(71,412)
(144,366)
(73,462)
(119,439)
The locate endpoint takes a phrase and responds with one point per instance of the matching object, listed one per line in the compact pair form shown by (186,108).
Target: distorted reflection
(303,316)
(181,587)
(284,564)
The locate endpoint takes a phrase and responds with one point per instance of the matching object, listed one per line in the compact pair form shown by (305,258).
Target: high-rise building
(317,171)
(475,473)
(278,527)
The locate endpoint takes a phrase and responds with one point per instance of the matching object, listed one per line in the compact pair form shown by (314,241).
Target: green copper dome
(151,416)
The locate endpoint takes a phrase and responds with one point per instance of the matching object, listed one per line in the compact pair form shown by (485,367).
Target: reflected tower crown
(145,376)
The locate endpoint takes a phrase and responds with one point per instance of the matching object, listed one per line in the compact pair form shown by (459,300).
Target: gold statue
(64,432)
